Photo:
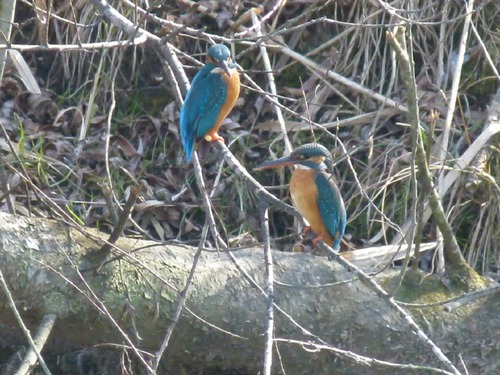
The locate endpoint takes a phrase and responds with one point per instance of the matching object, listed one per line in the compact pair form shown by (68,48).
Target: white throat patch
(322,166)
(300,166)
(218,70)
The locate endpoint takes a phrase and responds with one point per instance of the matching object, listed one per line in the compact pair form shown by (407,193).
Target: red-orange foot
(307,229)
(319,238)
(211,137)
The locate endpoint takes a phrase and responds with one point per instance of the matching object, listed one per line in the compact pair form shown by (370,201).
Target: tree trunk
(35,254)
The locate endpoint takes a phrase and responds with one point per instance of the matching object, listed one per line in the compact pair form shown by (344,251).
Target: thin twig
(366,361)
(7,190)
(109,120)
(385,296)
(272,84)
(25,330)
(90,105)
(441,45)
(207,203)
(179,305)
(108,194)
(39,339)
(457,301)
(256,187)
(130,28)
(104,310)
(268,257)
(104,251)
(485,51)
(23,175)
(340,79)
(84,47)
(443,151)
(279,4)
(454,93)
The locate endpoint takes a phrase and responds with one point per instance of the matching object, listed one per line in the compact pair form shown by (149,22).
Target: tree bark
(40,260)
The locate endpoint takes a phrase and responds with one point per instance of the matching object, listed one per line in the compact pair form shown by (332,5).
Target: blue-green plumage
(205,99)
(201,107)
(331,206)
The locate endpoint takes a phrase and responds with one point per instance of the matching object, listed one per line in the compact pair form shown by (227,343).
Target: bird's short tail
(188,149)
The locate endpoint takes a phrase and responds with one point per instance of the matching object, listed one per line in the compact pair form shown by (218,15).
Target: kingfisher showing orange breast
(314,193)
(212,96)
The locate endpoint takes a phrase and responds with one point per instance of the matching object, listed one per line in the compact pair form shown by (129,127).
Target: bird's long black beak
(281,162)
(224,65)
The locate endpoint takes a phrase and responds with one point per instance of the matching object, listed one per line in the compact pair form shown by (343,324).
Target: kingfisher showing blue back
(212,96)
(314,193)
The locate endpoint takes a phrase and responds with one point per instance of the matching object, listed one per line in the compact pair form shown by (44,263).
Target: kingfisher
(212,96)
(314,193)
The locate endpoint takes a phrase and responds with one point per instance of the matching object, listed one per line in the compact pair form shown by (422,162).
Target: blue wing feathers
(201,107)
(331,207)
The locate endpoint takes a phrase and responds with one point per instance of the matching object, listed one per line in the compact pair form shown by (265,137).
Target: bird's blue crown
(219,52)
(311,150)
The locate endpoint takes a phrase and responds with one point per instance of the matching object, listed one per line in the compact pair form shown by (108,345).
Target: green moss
(418,287)
(465,278)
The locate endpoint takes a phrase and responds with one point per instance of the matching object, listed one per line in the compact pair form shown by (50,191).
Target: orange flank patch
(318,159)
(304,196)
(233,91)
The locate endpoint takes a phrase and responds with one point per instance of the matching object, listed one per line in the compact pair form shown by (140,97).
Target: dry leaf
(124,145)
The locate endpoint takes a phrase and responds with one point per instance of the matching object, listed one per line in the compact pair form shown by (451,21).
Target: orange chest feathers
(305,199)
(233,92)
(303,190)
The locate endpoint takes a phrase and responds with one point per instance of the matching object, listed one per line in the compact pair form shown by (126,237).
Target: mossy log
(44,262)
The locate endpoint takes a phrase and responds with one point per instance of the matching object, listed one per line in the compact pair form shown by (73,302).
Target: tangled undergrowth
(61,133)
